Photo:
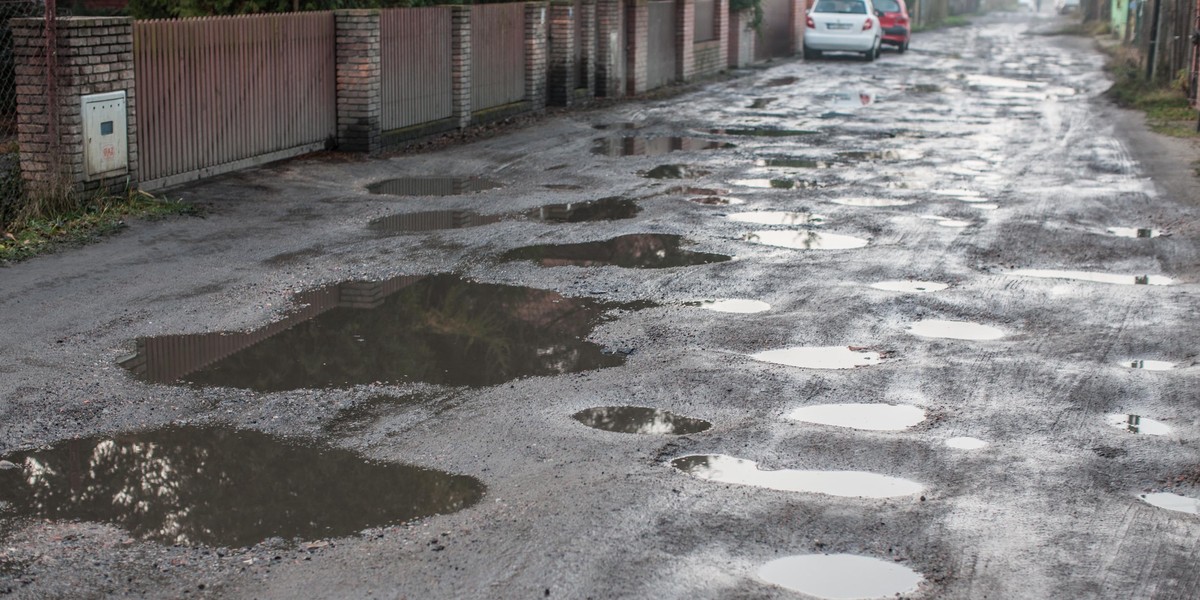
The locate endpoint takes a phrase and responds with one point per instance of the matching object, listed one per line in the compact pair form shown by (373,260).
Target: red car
(893,19)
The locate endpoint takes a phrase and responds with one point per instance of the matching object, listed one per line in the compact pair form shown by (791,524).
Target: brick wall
(587,39)
(562,53)
(537,50)
(359,108)
(610,48)
(685,39)
(95,55)
(637,16)
(712,57)
(799,10)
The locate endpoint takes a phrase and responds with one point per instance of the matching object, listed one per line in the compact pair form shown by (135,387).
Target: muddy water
(1173,502)
(955,330)
(432,186)
(821,357)
(434,221)
(778,218)
(653,146)
(437,329)
(841,576)
(605,209)
(637,419)
(848,484)
(871,417)
(1138,424)
(1095,277)
(224,487)
(805,240)
(635,251)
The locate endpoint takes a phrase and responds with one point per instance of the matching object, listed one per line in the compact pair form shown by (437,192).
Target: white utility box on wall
(105,136)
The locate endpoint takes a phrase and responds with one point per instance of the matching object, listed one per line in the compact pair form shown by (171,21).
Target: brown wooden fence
(414,64)
(497,54)
(219,93)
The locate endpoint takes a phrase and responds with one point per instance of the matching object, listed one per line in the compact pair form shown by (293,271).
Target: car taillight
(808,21)
(868,25)
(902,20)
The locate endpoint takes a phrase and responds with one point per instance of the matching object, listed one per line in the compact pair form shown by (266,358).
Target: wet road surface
(970,271)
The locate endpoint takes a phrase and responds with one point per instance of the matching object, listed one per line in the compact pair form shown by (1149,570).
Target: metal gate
(216,94)
(414,62)
(775,34)
(660,47)
(497,54)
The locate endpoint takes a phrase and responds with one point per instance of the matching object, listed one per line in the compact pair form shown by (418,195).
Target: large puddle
(432,186)
(821,357)
(1095,277)
(604,209)
(653,146)
(437,329)
(955,330)
(872,202)
(734,305)
(871,417)
(1138,424)
(224,487)
(805,240)
(435,220)
(910,286)
(635,251)
(849,484)
(637,419)
(840,576)
(1173,502)
(778,218)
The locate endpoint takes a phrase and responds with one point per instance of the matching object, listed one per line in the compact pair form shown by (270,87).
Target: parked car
(893,18)
(842,26)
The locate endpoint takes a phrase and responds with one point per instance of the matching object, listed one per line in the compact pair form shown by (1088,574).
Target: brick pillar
(637,16)
(587,39)
(537,49)
(95,55)
(460,64)
(358,80)
(685,39)
(798,16)
(563,73)
(610,48)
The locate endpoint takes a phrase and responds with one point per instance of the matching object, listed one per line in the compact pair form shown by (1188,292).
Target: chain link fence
(12,192)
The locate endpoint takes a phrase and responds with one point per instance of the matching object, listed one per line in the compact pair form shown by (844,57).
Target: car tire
(903,47)
(869,55)
(878,49)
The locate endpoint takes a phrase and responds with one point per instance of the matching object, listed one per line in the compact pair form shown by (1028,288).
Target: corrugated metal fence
(414,66)
(660,47)
(227,92)
(497,54)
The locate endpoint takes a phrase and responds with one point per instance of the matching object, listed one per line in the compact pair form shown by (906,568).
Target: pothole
(636,251)
(840,576)
(654,146)
(848,484)
(955,330)
(879,155)
(821,357)
(637,419)
(769,184)
(1151,365)
(436,329)
(717,201)
(1173,502)
(910,286)
(225,487)
(805,240)
(734,305)
(778,218)
(1138,424)
(675,172)
(435,220)
(1094,277)
(872,202)
(605,209)
(1133,232)
(432,186)
(966,443)
(780,81)
(770,132)
(871,417)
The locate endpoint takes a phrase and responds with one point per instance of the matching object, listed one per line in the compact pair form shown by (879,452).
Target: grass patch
(1165,105)
(100,216)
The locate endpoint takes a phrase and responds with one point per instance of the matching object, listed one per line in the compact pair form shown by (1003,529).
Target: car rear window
(847,7)
(888,6)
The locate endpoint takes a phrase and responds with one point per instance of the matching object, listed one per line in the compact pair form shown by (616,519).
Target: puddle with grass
(225,487)
(777,218)
(674,172)
(634,251)
(604,209)
(434,220)
(1138,424)
(955,330)
(910,286)
(1133,232)
(432,186)
(654,146)
(966,443)
(1150,365)
(769,132)
(848,484)
(716,201)
(1094,277)
(871,417)
(1173,502)
(821,357)
(637,419)
(736,306)
(805,240)
(437,329)
(872,202)
(840,576)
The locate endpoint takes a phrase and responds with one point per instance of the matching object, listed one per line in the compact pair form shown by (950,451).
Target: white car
(842,26)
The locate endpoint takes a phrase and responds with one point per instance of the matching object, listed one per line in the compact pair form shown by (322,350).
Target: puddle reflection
(675,172)
(1138,424)
(604,209)
(821,357)
(849,484)
(871,417)
(432,186)
(636,419)
(717,201)
(805,240)
(872,202)
(435,220)
(777,218)
(1173,502)
(763,132)
(1095,277)
(1134,232)
(635,251)
(840,576)
(654,146)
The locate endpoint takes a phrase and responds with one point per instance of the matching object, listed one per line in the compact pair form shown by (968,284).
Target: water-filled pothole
(654,146)
(224,487)
(840,576)
(955,330)
(1095,277)
(675,172)
(772,184)
(780,81)
(637,419)
(821,357)
(1138,424)
(437,329)
(872,202)
(872,417)
(910,286)
(763,132)
(947,222)
(761,102)
(849,484)
(805,240)
(432,186)
(717,200)
(1151,365)
(966,443)
(605,209)
(777,217)
(637,251)
(1134,232)
(738,306)
(1173,502)
(434,220)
